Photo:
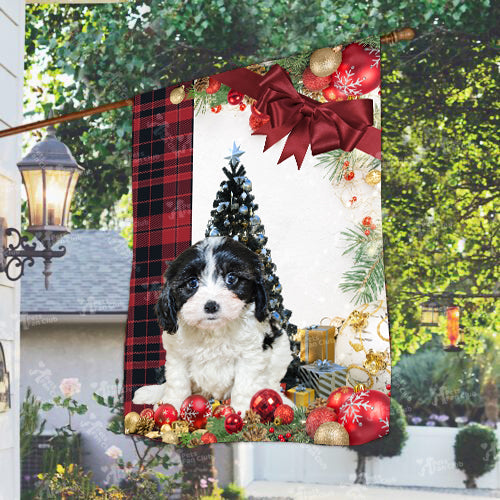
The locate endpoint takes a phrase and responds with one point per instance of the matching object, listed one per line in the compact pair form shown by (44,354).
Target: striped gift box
(323,376)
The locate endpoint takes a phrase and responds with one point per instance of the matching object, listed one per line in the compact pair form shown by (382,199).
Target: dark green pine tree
(234,215)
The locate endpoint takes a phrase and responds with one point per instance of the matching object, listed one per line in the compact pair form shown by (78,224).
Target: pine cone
(255,433)
(201,84)
(195,442)
(318,402)
(249,100)
(144,425)
(251,417)
(257,68)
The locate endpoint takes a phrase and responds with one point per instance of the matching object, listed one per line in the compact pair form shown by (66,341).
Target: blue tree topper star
(234,154)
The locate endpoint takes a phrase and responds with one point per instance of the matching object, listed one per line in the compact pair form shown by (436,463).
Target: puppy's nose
(211,307)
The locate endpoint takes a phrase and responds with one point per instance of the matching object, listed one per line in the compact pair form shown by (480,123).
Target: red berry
(367,221)
(388,387)
(346,163)
(373,226)
(243,106)
(281,436)
(271,429)
(216,109)
(367,232)
(288,435)
(389,393)
(354,198)
(349,176)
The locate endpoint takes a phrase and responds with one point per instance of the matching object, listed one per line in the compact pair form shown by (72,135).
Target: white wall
(11,88)
(427,460)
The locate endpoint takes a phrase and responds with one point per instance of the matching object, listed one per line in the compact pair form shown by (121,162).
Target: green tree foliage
(476,452)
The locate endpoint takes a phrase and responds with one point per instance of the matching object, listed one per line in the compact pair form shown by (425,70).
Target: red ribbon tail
(297,143)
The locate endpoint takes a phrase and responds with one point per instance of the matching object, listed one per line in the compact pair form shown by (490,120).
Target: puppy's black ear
(166,310)
(260,295)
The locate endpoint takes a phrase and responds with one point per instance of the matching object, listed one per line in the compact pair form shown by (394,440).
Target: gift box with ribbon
(317,342)
(301,395)
(323,376)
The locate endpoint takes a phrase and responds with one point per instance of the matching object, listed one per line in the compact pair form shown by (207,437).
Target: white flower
(70,386)
(114,452)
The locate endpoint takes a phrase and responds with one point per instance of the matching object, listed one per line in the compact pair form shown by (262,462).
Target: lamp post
(50,173)
(429,315)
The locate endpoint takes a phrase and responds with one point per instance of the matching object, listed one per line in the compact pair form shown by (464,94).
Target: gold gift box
(317,342)
(301,396)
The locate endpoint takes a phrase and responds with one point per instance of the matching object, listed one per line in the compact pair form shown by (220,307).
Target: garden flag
(257,297)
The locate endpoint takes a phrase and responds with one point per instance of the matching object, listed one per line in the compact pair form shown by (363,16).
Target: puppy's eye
(231,279)
(192,283)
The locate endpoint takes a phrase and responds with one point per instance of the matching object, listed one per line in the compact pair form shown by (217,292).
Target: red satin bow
(324,126)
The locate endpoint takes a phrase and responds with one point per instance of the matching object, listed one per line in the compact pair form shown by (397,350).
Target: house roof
(92,278)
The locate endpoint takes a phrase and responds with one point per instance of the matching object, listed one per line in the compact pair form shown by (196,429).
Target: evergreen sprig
(371,41)
(366,278)
(204,102)
(295,65)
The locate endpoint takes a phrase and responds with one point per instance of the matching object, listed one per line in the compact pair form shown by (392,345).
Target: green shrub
(233,492)
(476,452)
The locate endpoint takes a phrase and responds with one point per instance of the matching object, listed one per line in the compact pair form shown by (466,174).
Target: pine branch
(372,41)
(204,102)
(337,162)
(295,65)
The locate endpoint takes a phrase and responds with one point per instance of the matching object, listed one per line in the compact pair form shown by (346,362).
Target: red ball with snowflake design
(195,410)
(359,72)
(338,397)
(365,416)
(165,414)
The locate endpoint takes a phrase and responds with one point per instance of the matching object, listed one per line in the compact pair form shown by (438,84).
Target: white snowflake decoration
(190,414)
(375,53)
(346,82)
(352,407)
(384,429)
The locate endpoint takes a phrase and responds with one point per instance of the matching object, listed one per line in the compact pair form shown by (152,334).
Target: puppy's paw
(148,395)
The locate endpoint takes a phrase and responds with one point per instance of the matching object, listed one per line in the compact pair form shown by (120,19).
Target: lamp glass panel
(71,192)
(55,194)
(34,190)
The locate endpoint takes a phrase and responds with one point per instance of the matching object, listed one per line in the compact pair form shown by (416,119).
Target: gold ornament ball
(165,428)
(331,433)
(170,437)
(199,432)
(373,178)
(131,420)
(325,61)
(177,95)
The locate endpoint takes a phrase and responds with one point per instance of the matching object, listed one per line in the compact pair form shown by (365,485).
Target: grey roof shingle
(92,278)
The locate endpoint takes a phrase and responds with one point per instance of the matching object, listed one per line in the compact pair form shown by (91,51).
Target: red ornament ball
(349,176)
(317,417)
(257,121)
(365,416)
(213,86)
(243,106)
(264,403)
(285,413)
(195,410)
(148,413)
(216,109)
(208,438)
(234,97)
(359,72)
(338,397)
(367,221)
(332,93)
(165,414)
(233,423)
(222,411)
(313,82)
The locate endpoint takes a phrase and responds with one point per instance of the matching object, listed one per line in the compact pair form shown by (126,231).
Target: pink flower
(203,483)
(114,452)
(70,387)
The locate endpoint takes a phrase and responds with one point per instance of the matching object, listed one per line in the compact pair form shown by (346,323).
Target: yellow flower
(60,469)
(70,468)
(40,476)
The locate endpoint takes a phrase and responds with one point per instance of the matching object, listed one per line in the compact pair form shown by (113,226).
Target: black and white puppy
(217,335)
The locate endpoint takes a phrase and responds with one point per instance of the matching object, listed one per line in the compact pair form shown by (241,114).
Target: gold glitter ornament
(375,362)
(131,420)
(358,320)
(180,427)
(170,437)
(373,177)
(359,388)
(177,95)
(153,435)
(325,61)
(331,433)
(277,421)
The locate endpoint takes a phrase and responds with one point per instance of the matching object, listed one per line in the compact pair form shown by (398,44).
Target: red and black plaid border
(162,172)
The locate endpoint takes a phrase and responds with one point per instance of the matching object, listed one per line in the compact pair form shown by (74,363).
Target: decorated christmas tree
(234,215)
